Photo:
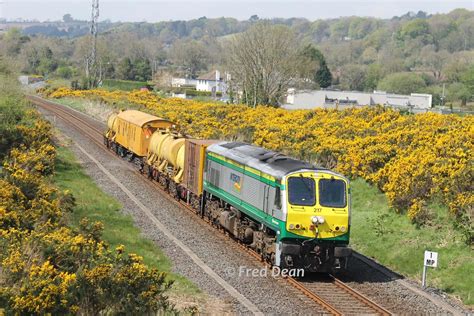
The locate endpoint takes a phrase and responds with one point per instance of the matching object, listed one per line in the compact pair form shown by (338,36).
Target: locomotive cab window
(332,193)
(301,191)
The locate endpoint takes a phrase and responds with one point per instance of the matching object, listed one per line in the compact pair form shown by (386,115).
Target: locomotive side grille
(215,175)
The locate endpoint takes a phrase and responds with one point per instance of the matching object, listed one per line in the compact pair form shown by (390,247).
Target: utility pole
(442,96)
(92,72)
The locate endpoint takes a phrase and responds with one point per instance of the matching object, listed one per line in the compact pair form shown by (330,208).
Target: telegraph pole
(92,73)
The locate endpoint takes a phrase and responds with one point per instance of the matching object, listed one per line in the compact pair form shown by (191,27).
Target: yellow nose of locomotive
(317,205)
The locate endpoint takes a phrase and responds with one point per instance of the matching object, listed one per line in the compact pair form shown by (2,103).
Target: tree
(458,92)
(454,69)
(40,61)
(64,72)
(142,69)
(323,75)
(467,78)
(340,29)
(360,27)
(13,41)
(369,55)
(353,77)
(254,18)
(313,66)
(435,61)
(67,18)
(125,69)
(415,28)
(374,74)
(263,60)
(403,83)
(320,30)
(190,55)
(32,60)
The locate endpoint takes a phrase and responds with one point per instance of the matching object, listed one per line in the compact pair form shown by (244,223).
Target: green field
(390,238)
(119,227)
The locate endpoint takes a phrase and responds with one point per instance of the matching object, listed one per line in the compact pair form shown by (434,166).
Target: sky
(165,10)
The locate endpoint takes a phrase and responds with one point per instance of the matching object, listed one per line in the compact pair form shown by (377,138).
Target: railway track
(327,291)
(336,296)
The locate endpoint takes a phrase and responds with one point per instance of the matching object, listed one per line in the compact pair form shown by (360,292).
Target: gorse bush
(47,266)
(412,158)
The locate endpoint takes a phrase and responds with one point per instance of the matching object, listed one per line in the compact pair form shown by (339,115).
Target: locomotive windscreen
(301,191)
(332,193)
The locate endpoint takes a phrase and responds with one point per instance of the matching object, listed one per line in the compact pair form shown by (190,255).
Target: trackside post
(430,260)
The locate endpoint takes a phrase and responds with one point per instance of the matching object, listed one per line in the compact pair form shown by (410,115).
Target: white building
(212,81)
(26,80)
(345,99)
(179,82)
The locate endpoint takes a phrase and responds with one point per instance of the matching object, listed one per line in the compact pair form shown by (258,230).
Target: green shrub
(125,85)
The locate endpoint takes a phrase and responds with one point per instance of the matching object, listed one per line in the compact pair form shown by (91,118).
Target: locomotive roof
(140,118)
(267,161)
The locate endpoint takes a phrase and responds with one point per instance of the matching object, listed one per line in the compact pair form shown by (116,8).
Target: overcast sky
(164,10)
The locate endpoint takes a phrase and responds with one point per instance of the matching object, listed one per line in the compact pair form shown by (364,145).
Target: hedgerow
(414,159)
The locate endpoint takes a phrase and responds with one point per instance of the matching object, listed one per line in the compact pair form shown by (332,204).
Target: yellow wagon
(132,130)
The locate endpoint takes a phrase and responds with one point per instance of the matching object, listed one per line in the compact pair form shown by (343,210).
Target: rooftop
(211,75)
(140,118)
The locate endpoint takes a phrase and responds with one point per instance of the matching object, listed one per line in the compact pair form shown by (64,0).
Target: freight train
(295,215)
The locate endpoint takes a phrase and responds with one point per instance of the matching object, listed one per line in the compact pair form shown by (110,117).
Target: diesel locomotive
(294,214)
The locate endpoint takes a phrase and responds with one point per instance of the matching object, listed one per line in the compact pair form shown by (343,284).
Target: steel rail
(360,297)
(313,296)
(69,116)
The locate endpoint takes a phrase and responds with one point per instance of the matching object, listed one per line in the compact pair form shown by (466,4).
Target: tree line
(412,53)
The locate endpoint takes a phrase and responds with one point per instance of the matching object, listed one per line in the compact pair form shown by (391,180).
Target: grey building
(345,99)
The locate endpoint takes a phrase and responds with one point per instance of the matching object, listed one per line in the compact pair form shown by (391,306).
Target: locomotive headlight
(317,220)
(343,228)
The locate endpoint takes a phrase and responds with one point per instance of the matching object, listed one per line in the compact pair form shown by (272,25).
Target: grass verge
(377,231)
(96,205)
(74,103)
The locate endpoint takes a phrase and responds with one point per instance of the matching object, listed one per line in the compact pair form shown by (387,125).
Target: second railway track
(333,295)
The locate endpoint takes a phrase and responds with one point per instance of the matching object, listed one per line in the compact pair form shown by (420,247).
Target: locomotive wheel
(163,181)
(173,190)
(149,172)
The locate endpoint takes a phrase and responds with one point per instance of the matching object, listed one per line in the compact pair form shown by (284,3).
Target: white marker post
(431,260)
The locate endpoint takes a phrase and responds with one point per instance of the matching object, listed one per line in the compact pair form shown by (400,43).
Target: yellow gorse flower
(48,267)
(411,158)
